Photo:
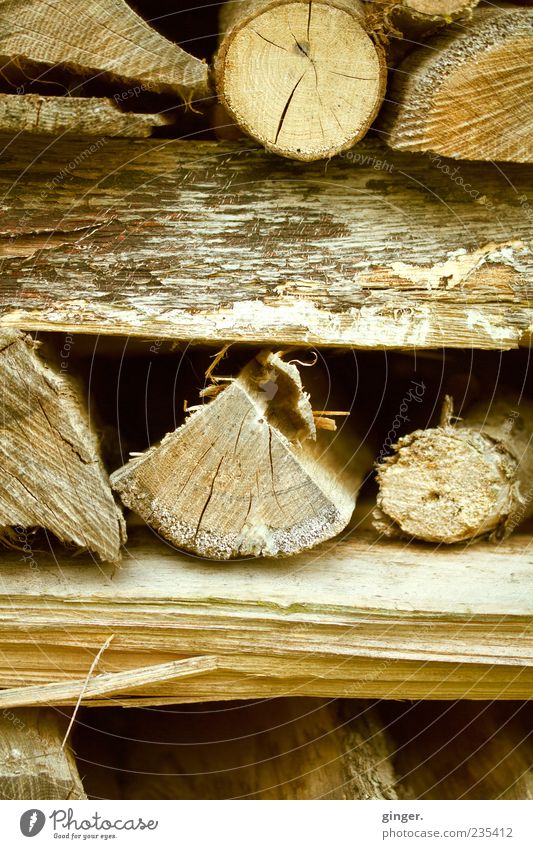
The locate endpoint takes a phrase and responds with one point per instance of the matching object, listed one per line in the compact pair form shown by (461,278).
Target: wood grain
(209,241)
(357,618)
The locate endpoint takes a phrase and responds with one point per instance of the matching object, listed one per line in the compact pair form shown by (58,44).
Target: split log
(303,78)
(290,748)
(449,96)
(463,480)
(465,750)
(33,762)
(81,116)
(104,38)
(245,475)
(51,475)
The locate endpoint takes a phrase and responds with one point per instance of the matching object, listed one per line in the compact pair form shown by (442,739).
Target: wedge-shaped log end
(244,476)
(51,475)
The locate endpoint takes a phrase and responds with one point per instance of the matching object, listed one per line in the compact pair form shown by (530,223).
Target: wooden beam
(381,249)
(360,618)
(33,762)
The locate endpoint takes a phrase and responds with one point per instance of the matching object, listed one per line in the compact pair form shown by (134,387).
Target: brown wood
(33,762)
(462,480)
(51,475)
(361,618)
(303,77)
(450,96)
(291,748)
(245,475)
(98,39)
(80,116)
(113,241)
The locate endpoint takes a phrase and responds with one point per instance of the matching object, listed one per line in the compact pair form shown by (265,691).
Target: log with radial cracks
(51,475)
(462,480)
(106,38)
(245,475)
(468,93)
(33,763)
(303,78)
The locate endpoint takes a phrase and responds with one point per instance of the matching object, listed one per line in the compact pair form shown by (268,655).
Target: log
(80,116)
(448,97)
(464,750)
(51,475)
(463,480)
(361,618)
(113,242)
(245,475)
(303,78)
(98,39)
(290,748)
(33,762)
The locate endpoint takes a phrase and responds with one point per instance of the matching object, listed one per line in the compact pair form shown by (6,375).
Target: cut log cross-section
(51,475)
(467,94)
(462,480)
(107,37)
(303,78)
(33,762)
(244,476)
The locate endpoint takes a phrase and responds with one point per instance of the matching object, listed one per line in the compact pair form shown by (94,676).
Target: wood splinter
(462,480)
(303,78)
(245,475)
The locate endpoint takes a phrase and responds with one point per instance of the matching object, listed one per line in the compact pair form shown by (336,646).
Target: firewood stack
(258,438)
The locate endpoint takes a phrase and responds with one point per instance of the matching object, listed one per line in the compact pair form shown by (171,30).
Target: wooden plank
(209,241)
(360,617)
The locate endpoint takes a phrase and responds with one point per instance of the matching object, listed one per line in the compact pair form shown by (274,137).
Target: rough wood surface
(104,38)
(215,242)
(357,618)
(245,475)
(80,116)
(303,78)
(468,93)
(462,480)
(33,764)
(51,475)
(290,748)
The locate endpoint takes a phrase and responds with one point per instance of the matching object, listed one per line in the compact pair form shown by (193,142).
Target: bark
(245,475)
(291,748)
(111,239)
(80,116)
(448,97)
(104,38)
(51,474)
(33,764)
(303,78)
(462,480)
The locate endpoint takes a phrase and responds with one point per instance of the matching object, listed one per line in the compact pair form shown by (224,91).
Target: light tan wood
(356,618)
(51,475)
(290,748)
(462,480)
(33,763)
(303,78)
(103,38)
(80,116)
(245,475)
(114,242)
(448,97)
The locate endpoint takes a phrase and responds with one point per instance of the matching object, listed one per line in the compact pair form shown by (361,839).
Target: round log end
(446,485)
(304,79)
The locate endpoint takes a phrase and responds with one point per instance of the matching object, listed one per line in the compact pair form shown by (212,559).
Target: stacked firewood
(304,78)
